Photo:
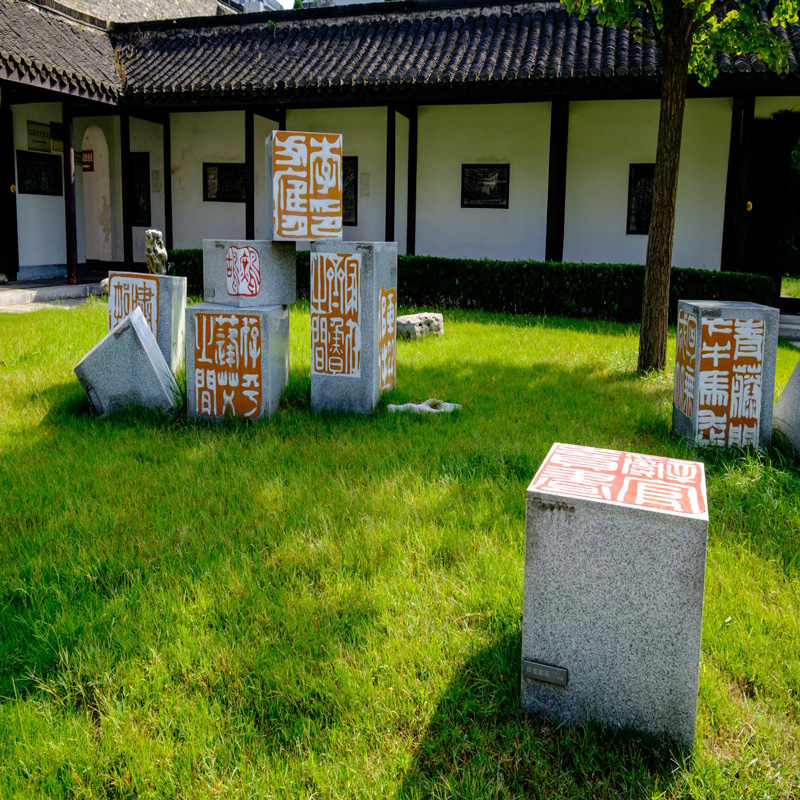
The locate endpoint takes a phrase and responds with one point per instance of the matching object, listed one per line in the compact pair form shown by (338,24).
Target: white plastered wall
(41,229)
(767,106)
(605,137)
(364,135)
(449,136)
(401,183)
(196,138)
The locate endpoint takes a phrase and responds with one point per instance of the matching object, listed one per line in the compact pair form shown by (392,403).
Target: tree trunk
(655,298)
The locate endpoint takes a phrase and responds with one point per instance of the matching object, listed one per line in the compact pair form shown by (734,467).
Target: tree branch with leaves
(691,34)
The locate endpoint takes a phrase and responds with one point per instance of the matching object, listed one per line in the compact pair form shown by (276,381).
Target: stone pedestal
(786,416)
(162,299)
(237,360)
(249,274)
(725,372)
(615,555)
(126,369)
(353,324)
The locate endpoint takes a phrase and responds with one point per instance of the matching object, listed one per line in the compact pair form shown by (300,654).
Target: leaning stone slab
(127,370)
(725,372)
(237,360)
(415,326)
(786,415)
(353,324)
(615,554)
(162,299)
(249,274)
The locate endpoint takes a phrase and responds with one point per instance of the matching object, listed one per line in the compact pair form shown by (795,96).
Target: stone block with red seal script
(615,556)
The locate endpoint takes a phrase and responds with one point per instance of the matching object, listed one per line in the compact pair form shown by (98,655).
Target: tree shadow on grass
(479,743)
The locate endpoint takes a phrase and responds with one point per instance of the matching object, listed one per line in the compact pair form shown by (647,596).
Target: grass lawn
(790,285)
(332,606)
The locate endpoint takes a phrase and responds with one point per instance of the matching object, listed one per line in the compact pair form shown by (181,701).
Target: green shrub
(606,291)
(188,263)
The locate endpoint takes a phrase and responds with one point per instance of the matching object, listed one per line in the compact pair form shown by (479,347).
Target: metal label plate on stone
(546,673)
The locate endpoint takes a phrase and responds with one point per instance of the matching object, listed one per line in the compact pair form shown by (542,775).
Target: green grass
(332,606)
(790,285)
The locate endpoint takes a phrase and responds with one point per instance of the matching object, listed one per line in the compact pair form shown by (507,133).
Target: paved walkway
(23,296)
(789,328)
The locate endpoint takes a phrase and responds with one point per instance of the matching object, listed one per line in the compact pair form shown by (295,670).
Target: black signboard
(640,198)
(39,173)
(484,185)
(350,190)
(225,183)
(140,190)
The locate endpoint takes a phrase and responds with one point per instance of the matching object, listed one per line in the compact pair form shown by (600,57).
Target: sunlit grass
(331,606)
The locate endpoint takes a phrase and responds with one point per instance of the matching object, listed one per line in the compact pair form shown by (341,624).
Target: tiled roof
(48,50)
(414,48)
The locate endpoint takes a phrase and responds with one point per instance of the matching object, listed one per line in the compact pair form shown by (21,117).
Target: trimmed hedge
(188,263)
(604,291)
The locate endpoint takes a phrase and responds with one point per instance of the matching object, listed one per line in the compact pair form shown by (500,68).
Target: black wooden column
(411,213)
(8,190)
(734,229)
(250,176)
(125,146)
(391,135)
(167,136)
(70,214)
(557,180)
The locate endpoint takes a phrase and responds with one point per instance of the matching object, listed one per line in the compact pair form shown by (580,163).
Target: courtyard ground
(332,606)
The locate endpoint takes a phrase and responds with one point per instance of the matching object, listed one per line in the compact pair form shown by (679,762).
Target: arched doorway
(96,196)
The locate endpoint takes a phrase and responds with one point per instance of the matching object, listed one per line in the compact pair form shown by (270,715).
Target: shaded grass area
(790,285)
(331,606)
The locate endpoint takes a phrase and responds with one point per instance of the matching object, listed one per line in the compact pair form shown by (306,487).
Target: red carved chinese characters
(227,359)
(336,314)
(306,185)
(685,362)
(126,290)
(387,340)
(729,385)
(610,476)
(243,271)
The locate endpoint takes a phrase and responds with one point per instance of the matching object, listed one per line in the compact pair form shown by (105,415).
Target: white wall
(96,196)
(449,136)
(364,135)
(199,137)
(605,137)
(401,183)
(41,228)
(148,137)
(767,106)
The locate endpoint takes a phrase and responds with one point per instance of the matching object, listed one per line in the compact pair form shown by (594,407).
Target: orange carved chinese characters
(729,385)
(610,476)
(227,358)
(306,185)
(387,341)
(685,362)
(126,290)
(336,314)
(243,271)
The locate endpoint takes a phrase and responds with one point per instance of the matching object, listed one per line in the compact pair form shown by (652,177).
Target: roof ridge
(352,11)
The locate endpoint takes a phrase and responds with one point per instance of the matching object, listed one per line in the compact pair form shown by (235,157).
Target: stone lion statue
(155,252)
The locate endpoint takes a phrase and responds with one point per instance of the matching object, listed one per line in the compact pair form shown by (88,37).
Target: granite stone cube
(615,553)
(237,360)
(725,372)
(353,324)
(249,274)
(162,299)
(786,415)
(126,369)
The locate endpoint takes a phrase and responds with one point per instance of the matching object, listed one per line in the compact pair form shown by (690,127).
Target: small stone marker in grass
(415,326)
(786,415)
(249,274)
(162,299)
(237,360)
(615,557)
(126,369)
(725,372)
(353,324)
